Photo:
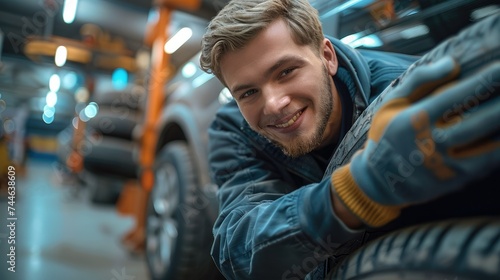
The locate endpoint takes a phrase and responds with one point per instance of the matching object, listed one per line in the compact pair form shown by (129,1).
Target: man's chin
(295,149)
(295,146)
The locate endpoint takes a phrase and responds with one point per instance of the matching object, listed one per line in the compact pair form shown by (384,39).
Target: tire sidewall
(194,229)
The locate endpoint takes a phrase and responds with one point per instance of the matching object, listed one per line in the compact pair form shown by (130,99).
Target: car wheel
(178,231)
(458,249)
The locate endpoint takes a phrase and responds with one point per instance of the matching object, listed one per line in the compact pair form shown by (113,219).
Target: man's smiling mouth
(291,121)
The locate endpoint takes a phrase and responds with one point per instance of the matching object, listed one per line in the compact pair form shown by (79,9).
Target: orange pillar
(156,37)
(159,75)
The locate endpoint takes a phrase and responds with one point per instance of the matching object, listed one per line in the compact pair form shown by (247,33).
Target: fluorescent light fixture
(225,96)
(414,31)
(49,111)
(69,10)
(201,79)
(485,12)
(341,8)
(153,16)
(83,116)
(357,40)
(119,79)
(178,40)
(54,83)
(189,70)
(74,122)
(351,38)
(69,81)
(372,41)
(91,110)
(47,119)
(51,99)
(82,95)
(61,56)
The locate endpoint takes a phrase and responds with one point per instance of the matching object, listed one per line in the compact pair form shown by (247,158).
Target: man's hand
(432,136)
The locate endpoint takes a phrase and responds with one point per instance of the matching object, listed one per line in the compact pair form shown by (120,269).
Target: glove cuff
(371,212)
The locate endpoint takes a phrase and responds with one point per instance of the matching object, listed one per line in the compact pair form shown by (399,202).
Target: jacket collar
(358,80)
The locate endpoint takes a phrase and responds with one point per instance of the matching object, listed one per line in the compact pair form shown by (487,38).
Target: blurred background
(103,114)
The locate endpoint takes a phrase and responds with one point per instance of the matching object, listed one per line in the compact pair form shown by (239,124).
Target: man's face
(285,91)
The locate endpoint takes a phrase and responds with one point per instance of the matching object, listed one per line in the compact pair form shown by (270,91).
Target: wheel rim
(162,224)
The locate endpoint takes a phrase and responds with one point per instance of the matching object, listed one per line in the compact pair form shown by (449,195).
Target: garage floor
(60,234)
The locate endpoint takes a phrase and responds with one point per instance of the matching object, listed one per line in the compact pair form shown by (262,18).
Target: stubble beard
(303,144)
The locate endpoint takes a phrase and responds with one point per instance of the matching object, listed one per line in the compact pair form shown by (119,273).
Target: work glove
(433,135)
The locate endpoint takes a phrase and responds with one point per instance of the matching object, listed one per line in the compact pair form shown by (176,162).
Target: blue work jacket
(276,219)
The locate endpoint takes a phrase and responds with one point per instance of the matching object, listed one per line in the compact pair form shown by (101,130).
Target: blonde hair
(241,20)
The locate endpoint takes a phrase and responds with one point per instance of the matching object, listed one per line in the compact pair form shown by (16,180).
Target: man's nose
(275,99)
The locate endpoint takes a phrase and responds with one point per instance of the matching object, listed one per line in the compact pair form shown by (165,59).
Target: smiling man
(285,93)
(296,95)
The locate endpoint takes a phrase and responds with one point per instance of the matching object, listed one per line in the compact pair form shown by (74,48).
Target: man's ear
(330,57)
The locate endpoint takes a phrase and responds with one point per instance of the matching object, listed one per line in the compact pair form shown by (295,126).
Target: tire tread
(422,250)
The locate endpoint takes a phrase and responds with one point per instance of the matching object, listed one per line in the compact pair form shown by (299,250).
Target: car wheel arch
(179,123)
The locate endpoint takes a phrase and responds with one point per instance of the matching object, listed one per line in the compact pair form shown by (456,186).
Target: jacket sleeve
(266,228)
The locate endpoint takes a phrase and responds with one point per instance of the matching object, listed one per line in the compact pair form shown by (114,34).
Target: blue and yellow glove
(433,135)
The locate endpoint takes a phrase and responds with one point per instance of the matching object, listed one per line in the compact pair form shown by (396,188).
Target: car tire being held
(455,249)
(178,231)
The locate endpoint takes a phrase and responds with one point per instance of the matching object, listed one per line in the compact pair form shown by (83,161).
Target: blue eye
(286,72)
(247,93)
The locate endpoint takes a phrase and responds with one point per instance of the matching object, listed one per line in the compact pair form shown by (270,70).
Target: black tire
(485,34)
(457,249)
(110,156)
(112,123)
(178,229)
(130,98)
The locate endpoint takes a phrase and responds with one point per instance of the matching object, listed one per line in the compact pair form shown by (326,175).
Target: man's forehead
(263,50)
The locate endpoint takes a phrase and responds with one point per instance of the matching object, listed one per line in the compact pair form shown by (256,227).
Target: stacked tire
(111,144)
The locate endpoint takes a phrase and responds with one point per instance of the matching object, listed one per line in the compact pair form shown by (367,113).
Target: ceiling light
(69,10)
(369,41)
(54,83)
(49,111)
(70,80)
(119,79)
(341,8)
(47,119)
(414,31)
(178,40)
(51,99)
(189,70)
(484,12)
(201,79)
(91,110)
(82,95)
(61,56)
(351,38)
(225,96)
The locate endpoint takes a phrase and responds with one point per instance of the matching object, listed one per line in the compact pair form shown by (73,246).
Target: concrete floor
(60,235)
